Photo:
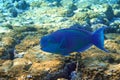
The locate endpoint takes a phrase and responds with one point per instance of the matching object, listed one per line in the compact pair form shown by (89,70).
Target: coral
(117,13)
(117,39)
(50,66)
(99,65)
(84,4)
(63,73)
(21,30)
(13,12)
(97,26)
(108,11)
(22,4)
(8,41)
(66,3)
(81,17)
(93,14)
(115,47)
(2,50)
(6,65)
(70,10)
(36,4)
(116,6)
(27,43)
(19,65)
(7,25)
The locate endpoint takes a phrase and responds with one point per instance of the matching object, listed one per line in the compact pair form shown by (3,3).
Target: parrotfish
(66,41)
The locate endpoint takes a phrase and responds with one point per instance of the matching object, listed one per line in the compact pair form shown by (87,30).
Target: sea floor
(21,29)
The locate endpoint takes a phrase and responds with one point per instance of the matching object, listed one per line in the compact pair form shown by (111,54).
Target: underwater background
(24,22)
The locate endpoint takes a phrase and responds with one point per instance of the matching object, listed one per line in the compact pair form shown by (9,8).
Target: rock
(108,11)
(66,3)
(20,55)
(51,66)
(113,70)
(112,36)
(104,10)
(115,47)
(7,25)
(92,14)
(36,4)
(36,55)
(20,61)
(6,65)
(96,74)
(66,72)
(116,6)
(117,39)
(99,20)
(24,28)
(22,5)
(97,63)
(4,30)
(97,26)
(62,79)
(15,0)
(8,41)
(30,56)
(84,4)
(117,13)
(81,17)
(52,3)
(2,50)
(27,43)
(95,59)
(19,65)
(70,10)
(114,26)
(9,5)
(13,12)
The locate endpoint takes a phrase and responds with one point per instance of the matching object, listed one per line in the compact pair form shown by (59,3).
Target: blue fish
(70,40)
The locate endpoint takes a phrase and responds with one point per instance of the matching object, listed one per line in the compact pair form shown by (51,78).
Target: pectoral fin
(84,48)
(63,44)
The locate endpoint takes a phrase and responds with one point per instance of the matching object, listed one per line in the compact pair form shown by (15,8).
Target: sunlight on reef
(24,22)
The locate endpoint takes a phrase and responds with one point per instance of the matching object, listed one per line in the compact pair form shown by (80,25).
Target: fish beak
(40,47)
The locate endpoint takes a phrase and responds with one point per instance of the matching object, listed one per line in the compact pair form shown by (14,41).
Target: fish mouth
(42,48)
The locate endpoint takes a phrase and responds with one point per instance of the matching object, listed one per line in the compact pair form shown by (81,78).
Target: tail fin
(98,39)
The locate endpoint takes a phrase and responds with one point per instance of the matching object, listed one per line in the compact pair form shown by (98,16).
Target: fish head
(49,44)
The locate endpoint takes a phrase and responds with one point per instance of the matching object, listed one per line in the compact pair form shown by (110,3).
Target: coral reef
(24,22)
